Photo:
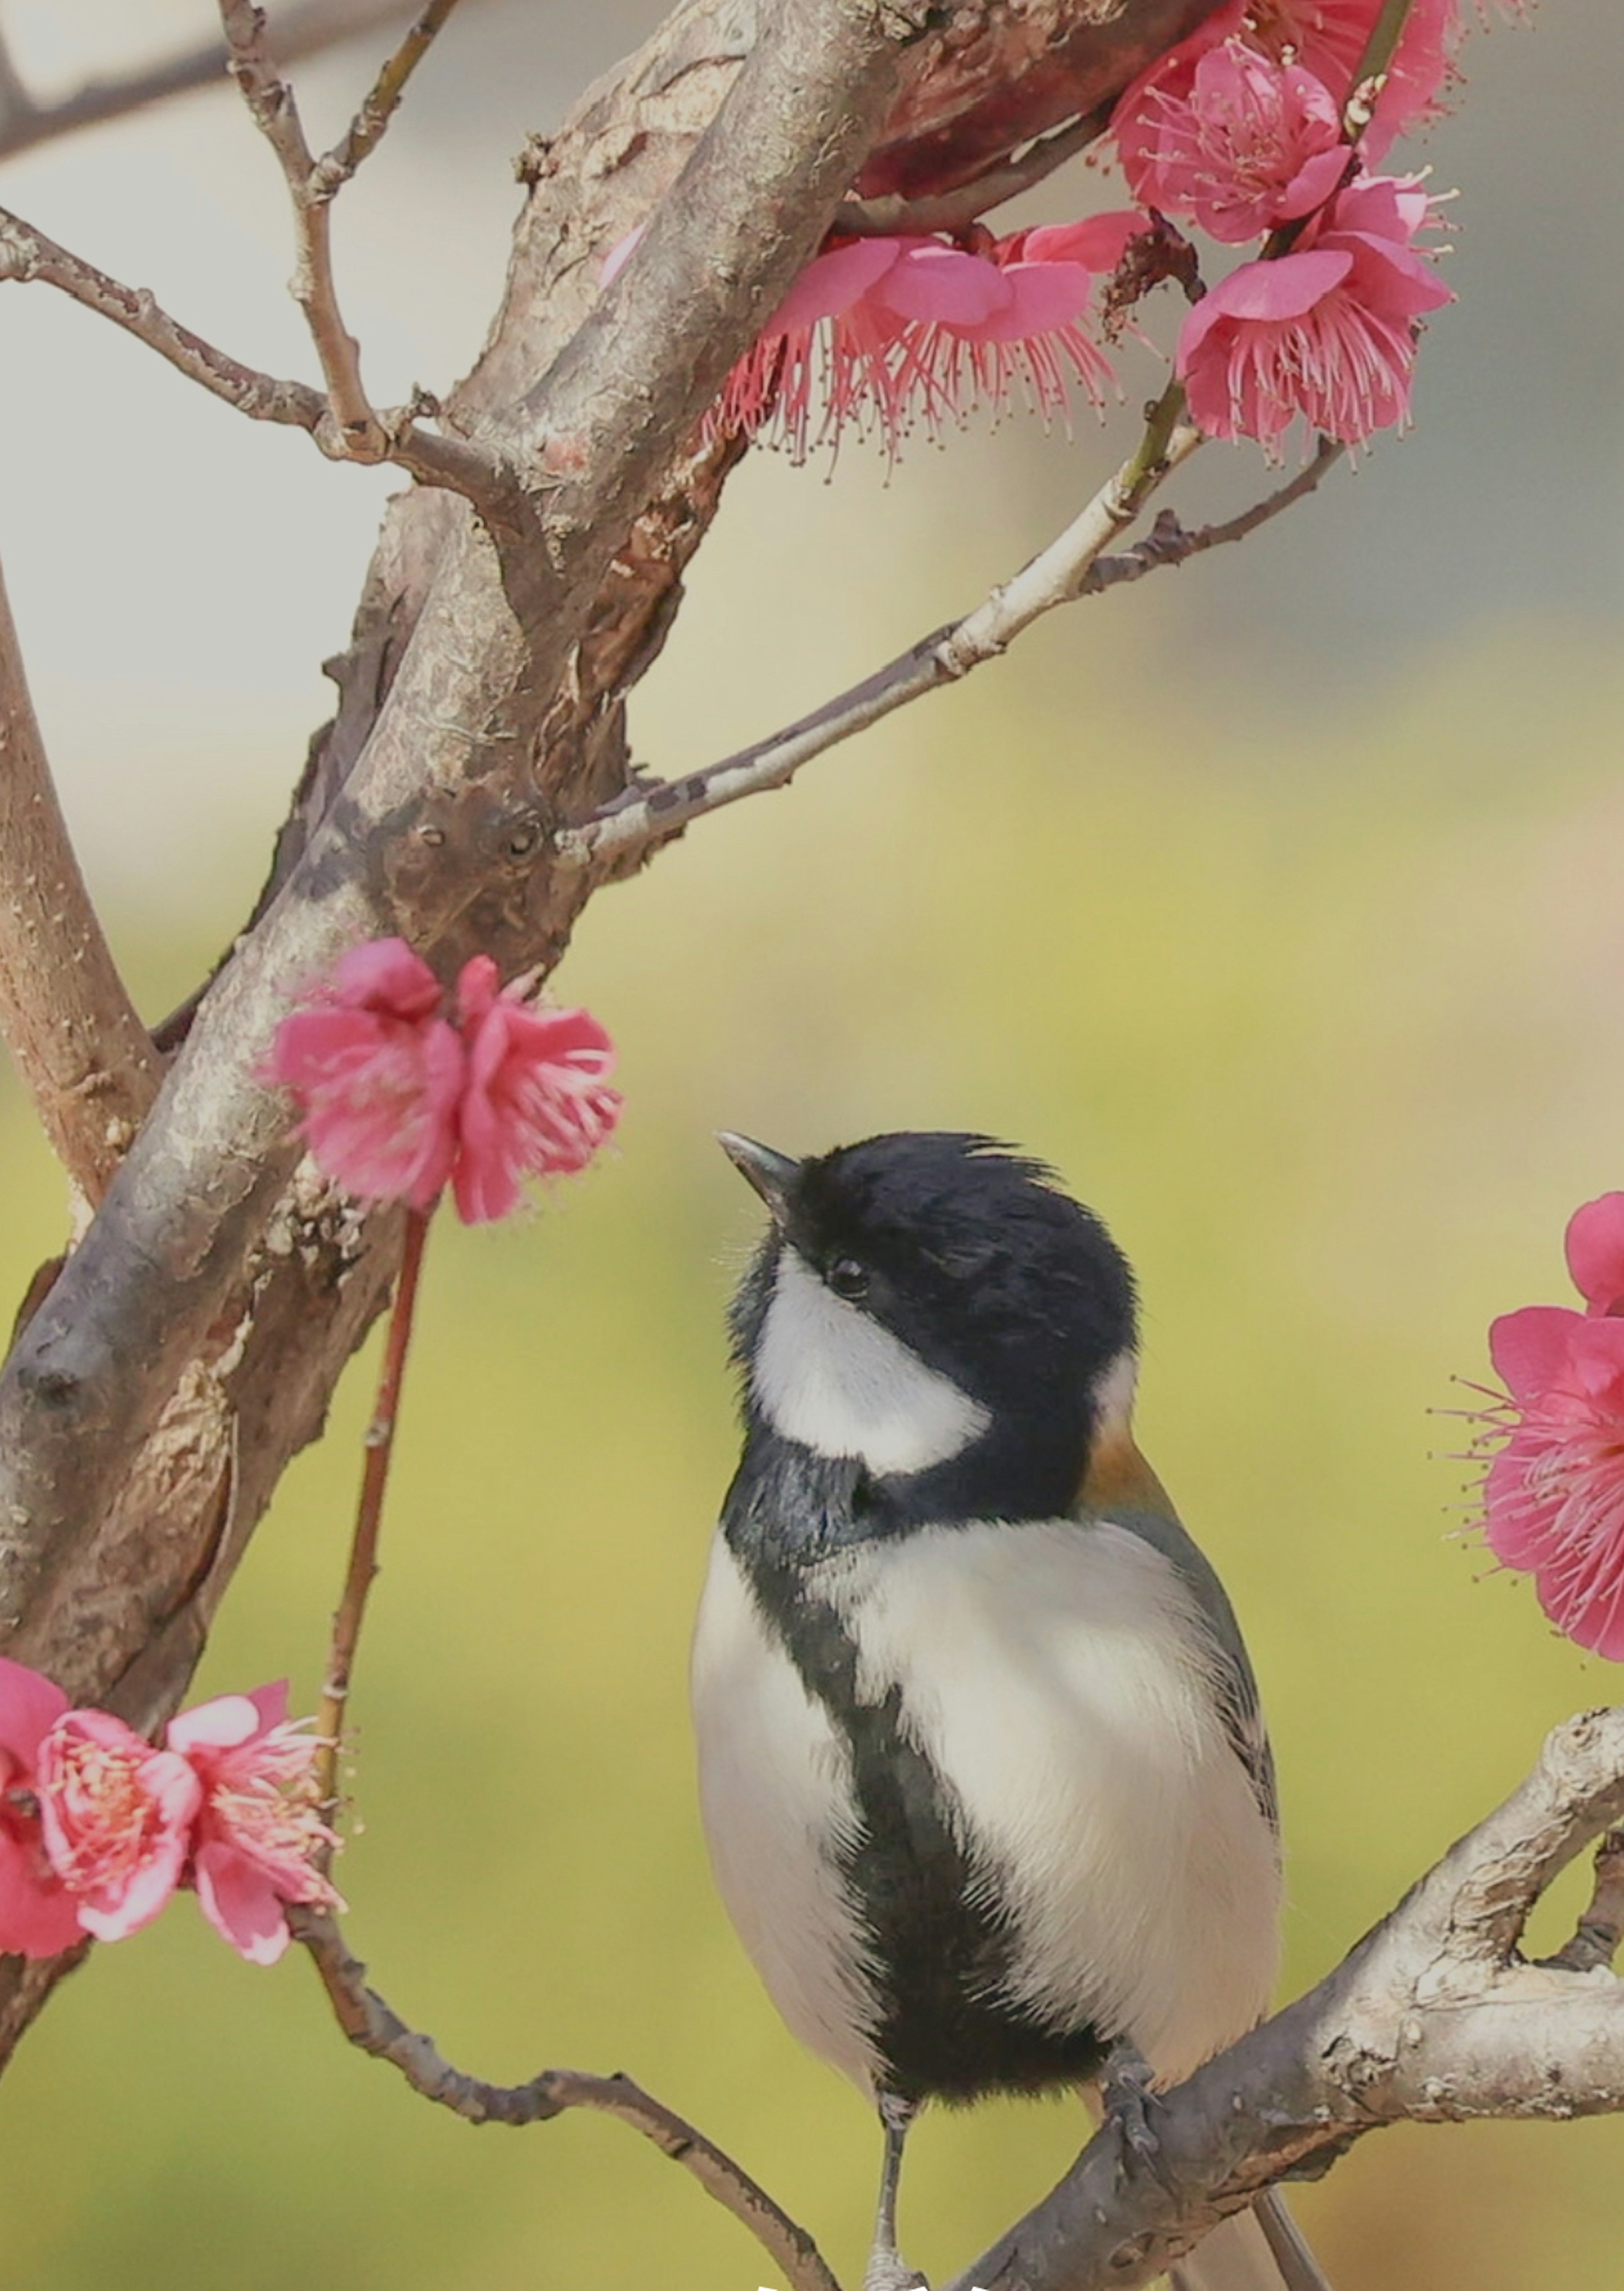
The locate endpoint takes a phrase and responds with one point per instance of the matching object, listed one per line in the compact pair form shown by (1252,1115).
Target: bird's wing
(1148,1513)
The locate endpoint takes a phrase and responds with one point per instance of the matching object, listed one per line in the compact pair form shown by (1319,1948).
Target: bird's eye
(848,1278)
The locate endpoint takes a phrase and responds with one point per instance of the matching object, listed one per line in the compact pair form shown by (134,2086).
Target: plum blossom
(38,1916)
(535,1098)
(397,1099)
(1246,144)
(258,1832)
(905,328)
(1554,1496)
(1327,332)
(377,1071)
(98,1828)
(116,1816)
(1327,39)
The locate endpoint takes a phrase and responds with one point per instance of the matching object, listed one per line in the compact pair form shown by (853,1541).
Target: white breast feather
(776,1798)
(828,1376)
(1058,1674)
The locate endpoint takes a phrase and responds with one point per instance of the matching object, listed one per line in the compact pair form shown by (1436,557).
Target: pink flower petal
(1531,1349)
(30,1704)
(383,974)
(1043,297)
(939,286)
(241,1904)
(228,1720)
(1595,1253)
(832,283)
(1098,242)
(38,1916)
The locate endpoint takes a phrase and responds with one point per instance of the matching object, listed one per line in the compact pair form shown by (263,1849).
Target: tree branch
(645,815)
(370,2023)
(79,1046)
(1434,2017)
(480,474)
(1169,543)
(276,114)
(307,29)
(950,211)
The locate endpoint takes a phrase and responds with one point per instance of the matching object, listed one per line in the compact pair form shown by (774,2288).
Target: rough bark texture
(156,1394)
(79,1046)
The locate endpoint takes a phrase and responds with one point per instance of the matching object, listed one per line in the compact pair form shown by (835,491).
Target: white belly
(775,1795)
(1057,1675)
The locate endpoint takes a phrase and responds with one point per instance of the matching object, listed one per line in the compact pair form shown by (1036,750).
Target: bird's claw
(1128,2091)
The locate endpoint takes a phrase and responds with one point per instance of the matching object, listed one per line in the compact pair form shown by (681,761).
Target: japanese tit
(983,1771)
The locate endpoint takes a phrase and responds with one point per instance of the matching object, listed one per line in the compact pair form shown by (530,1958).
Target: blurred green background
(1276,903)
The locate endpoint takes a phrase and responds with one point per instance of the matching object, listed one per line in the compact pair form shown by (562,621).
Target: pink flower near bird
(116,1816)
(397,1099)
(536,1098)
(1327,332)
(1554,1496)
(257,1830)
(377,1072)
(38,1916)
(1236,143)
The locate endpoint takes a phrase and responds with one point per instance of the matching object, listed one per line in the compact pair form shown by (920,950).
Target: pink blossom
(1595,1255)
(396,1098)
(39,1917)
(1327,332)
(116,1816)
(1327,38)
(1554,1498)
(1248,143)
(536,1098)
(377,1072)
(913,327)
(258,1829)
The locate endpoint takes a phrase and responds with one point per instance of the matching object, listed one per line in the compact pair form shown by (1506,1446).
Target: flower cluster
(908,329)
(1252,128)
(98,1828)
(1554,1498)
(397,1099)
(1241,131)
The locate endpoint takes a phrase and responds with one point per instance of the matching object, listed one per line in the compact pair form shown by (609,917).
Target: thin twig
(276,114)
(363,1565)
(306,28)
(1055,577)
(371,2023)
(479,473)
(882,218)
(78,1044)
(1169,543)
(26,255)
(367,129)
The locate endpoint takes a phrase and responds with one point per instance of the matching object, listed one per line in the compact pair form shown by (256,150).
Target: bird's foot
(888,2271)
(1128,2090)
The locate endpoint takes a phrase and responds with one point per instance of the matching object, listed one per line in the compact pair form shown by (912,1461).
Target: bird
(983,1770)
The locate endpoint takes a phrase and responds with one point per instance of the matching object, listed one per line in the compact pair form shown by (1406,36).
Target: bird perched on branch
(982,1766)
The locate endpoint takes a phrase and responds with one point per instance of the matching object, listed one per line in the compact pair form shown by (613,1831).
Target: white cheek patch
(1113,1392)
(831,1378)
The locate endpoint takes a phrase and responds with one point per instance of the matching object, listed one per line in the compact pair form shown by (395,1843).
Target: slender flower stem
(1379,51)
(368,1518)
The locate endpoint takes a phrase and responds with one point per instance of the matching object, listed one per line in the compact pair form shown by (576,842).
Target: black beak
(771,1173)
